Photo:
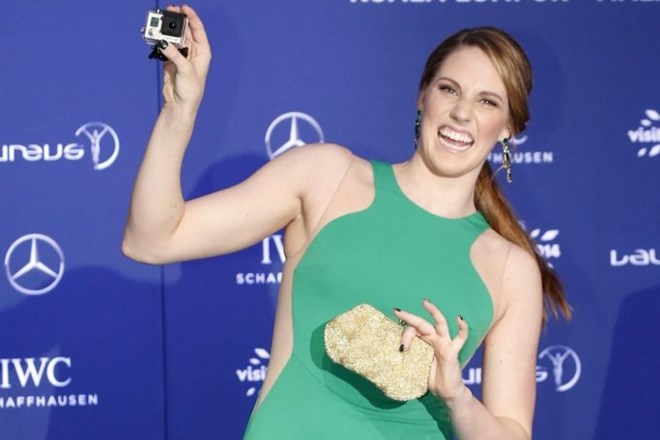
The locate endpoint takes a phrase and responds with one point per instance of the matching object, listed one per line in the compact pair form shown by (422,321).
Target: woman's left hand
(445,379)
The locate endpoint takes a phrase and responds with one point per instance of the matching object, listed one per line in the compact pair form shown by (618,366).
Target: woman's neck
(451,197)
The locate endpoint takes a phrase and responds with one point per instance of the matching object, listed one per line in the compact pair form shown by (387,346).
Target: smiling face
(465,111)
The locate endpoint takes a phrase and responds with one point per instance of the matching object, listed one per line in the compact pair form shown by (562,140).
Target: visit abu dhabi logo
(255,372)
(646,137)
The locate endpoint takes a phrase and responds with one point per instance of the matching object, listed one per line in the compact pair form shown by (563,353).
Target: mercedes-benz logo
(34,264)
(294,138)
(565,361)
(95,131)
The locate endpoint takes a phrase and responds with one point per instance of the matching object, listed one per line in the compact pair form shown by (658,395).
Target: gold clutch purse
(367,342)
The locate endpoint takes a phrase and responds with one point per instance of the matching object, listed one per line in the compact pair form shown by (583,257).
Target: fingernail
(401,348)
(163,44)
(397,309)
(461,317)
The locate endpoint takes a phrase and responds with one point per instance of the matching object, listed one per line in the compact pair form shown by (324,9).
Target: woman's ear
(421,98)
(507,133)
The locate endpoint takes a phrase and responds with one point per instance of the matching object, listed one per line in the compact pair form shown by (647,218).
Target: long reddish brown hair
(514,68)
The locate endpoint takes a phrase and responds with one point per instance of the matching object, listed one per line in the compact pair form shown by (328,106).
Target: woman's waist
(363,395)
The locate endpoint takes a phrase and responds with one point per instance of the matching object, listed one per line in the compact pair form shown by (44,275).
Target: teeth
(455,141)
(456,136)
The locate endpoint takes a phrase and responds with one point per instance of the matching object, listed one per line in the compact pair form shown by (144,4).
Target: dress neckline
(395,184)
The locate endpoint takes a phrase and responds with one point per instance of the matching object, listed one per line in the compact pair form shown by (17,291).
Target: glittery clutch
(367,342)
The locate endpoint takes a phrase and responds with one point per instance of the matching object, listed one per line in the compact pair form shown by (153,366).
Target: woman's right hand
(184,78)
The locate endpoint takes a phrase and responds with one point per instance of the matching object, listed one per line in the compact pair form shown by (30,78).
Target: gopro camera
(163,25)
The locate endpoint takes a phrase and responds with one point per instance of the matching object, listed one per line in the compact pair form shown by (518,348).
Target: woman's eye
(488,102)
(448,89)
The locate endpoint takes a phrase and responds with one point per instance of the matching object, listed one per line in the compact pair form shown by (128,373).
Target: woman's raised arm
(161,226)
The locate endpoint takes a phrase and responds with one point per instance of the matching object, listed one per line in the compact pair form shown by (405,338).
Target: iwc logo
(564,365)
(524,156)
(34,264)
(272,260)
(646,134)
(255,373)
(48,378)
(289,130)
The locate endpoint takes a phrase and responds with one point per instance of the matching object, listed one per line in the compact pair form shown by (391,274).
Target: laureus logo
(558,363)
(565,367)
(255,372)
(103,146)
(103,143)
(639,257)
(646,134)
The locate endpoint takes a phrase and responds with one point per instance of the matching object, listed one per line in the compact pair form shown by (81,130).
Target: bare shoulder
(318,156)
(521,266)
(514,271)
(521,285)
(517,261)
(317,172)
(320,167)
(494,245)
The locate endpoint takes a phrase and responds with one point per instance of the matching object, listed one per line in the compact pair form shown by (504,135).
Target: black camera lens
(172,24)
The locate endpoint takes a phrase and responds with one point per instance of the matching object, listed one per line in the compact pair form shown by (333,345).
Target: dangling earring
(506,159)
(418,120)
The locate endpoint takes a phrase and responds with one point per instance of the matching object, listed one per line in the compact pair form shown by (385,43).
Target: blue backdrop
(96,346)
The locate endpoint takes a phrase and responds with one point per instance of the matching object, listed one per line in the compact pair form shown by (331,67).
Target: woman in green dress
(430,240)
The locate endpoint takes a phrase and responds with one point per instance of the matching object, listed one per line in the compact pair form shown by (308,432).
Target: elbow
(131,252)
(516,429)
(140,253)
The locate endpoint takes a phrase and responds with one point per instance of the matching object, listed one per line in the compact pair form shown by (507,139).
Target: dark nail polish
(163,44)
(401,348)
(461,317)
(397,309)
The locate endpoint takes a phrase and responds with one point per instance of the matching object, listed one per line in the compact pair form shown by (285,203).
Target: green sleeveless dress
(392,254)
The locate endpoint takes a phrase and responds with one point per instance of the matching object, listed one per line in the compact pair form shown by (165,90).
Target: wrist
(178,116)
(459,400)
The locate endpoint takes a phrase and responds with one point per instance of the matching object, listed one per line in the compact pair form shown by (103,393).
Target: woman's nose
(461,112)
